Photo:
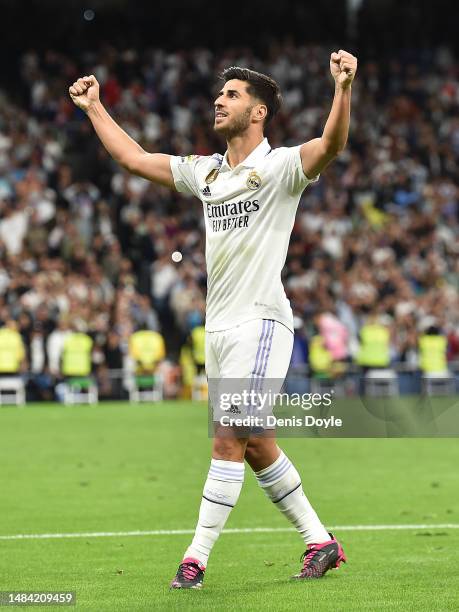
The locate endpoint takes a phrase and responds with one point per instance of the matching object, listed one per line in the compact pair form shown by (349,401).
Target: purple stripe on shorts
(259,385)
(260,342)
(261,370)
(269,349)
(264,349)
(265,354)
(264,333)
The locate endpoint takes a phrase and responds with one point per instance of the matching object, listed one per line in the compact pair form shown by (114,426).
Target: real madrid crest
(211,177)
(253,181)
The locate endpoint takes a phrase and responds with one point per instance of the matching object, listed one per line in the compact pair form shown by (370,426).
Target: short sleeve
(184,172)
(291,171)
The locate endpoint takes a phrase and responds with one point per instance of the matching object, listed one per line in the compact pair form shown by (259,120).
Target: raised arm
(123,149)
(319,152)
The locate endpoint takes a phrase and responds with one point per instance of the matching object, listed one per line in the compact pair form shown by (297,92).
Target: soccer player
(249,196)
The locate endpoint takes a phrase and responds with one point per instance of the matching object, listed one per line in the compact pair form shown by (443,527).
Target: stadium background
(85,246)
(82,243)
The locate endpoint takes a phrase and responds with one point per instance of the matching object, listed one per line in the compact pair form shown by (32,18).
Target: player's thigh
(272,361)
(280,352)
(258,348)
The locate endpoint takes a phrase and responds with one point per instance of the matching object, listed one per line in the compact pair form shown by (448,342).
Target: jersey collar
(251,160)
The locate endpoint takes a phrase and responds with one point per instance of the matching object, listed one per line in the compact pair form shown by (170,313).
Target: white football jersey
(249,214)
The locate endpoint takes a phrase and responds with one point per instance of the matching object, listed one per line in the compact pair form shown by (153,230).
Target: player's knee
(261,452)
(229,449)
(252,453)
(256,448)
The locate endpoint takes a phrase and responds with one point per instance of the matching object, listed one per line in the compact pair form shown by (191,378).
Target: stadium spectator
(197,345)
(335,335)
(143,314)
(432,346)
(41,382)
(320,358)
(113,354)
(110,366)
(55,345)
(77,355)
(300,351)
(375,344)
(12,352)
(147,349)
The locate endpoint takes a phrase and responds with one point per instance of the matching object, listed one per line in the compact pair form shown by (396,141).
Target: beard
(237,127)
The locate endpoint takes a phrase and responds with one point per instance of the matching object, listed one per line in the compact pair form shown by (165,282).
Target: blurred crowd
(86,245)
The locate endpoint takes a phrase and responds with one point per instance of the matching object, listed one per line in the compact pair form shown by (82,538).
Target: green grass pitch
(119,468)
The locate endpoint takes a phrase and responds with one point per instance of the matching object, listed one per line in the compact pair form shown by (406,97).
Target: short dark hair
(260,86)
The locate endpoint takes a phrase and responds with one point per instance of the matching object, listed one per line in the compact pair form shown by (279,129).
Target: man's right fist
(85,92)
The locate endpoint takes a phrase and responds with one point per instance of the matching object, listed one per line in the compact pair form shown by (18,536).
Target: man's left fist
(343,66)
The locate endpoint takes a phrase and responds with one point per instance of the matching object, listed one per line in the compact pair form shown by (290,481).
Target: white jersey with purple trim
(249,213)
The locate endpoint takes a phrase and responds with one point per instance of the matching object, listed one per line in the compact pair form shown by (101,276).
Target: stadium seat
(12,390)
(381,383)
(80,390)
(440,383)
(145,388)
(327,385)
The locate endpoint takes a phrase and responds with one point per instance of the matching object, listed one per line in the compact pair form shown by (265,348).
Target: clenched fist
(343,67)
(85,92)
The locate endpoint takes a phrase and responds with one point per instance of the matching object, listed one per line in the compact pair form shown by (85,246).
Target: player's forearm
(336,129)
(118,143)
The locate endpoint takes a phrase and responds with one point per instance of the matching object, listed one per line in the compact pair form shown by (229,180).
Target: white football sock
(282,484)
(221,492)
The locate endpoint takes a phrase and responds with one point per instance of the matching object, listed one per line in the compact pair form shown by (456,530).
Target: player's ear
(260,112)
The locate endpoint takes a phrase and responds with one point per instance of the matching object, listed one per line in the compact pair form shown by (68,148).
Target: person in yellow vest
(374,351)
(76,357)
(198,348)
(12,351)
(320,358)
(147,349)
(187,369)
(432,352)
(192,359)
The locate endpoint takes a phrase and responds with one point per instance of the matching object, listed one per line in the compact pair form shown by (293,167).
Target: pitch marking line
(160,532)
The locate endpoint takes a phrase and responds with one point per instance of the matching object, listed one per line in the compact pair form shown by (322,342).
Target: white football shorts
(246,366)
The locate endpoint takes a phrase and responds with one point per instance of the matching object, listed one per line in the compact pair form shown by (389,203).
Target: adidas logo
(234,409)
(206,191)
